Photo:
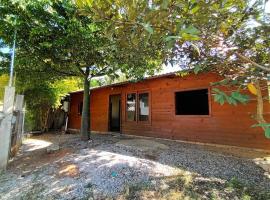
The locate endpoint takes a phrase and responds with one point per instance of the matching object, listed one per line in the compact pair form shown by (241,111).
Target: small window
(131,107)
(194,102)
(80,108)
(143,107)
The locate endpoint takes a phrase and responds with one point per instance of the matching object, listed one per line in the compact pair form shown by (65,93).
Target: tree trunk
(259,115)
(85,122)
(46,127)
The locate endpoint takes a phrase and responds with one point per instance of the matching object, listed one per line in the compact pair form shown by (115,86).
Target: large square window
(193,102)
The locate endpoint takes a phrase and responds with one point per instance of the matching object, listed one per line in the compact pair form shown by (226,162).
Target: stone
(142,144)
(53,148)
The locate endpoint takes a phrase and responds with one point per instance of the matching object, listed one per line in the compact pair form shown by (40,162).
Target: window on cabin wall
(131,107)
(80,108)
(193,102)
(143,107)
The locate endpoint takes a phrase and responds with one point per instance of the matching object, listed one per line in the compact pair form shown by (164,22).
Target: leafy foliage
(55,41)
(3,82)
(42,95)
(227,37)
(233,98)
(266,127)
(267,133)
(59,39)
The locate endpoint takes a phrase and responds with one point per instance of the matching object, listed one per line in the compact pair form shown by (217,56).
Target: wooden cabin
(172,107)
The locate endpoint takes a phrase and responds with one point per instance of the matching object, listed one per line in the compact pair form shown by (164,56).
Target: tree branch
(252,62)
(244,58)
(102,72)
(59,71)
(80,70)
(62,72)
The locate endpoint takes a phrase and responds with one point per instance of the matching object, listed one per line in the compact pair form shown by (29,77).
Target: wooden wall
(230,125)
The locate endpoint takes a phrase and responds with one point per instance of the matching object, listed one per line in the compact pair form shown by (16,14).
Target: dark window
(143,107)
(194,102)
(80,107)
(131,107)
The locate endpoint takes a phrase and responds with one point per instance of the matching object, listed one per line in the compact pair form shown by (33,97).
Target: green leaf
(224,82)
(148,28)
(242,98)
(169,38)
(218,91)
(231,100)
(164,4)
(261,125)
(190,37)
(197,68)
(219,98)
(214,83)
(215,90)
(235,94)
(234,82)
(46,44)
(191,30)
(83,3)
(190,33)
(267,133)
(170,44)
(195,9)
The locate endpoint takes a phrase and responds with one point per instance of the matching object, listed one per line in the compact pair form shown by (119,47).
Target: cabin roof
(132,81)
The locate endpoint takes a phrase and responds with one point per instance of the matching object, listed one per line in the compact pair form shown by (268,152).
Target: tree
(3,82)
(238,50)
(229,37)
(94,38)
(43,98)
(54,40)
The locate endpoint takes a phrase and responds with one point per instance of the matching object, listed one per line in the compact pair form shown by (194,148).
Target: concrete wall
(5,126)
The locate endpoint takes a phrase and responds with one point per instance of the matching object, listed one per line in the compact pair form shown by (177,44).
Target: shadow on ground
(102,168)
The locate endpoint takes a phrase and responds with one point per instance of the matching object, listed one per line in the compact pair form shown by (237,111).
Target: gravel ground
(195,158)
(102,168)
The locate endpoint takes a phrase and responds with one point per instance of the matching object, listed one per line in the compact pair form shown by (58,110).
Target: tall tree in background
(54,40)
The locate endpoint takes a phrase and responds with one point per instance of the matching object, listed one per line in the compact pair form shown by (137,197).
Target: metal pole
(12,60)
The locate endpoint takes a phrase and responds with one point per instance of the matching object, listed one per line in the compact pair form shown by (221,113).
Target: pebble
(106,169)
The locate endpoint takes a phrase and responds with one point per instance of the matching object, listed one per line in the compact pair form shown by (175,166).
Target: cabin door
(115,112)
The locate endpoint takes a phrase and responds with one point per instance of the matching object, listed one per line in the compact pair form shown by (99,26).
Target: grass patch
(193,187)
(131,191)
(247,192)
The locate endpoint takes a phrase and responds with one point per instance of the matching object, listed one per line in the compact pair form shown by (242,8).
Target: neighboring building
(173,107)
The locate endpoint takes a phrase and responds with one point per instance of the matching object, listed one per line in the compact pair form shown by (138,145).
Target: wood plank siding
(229,125)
